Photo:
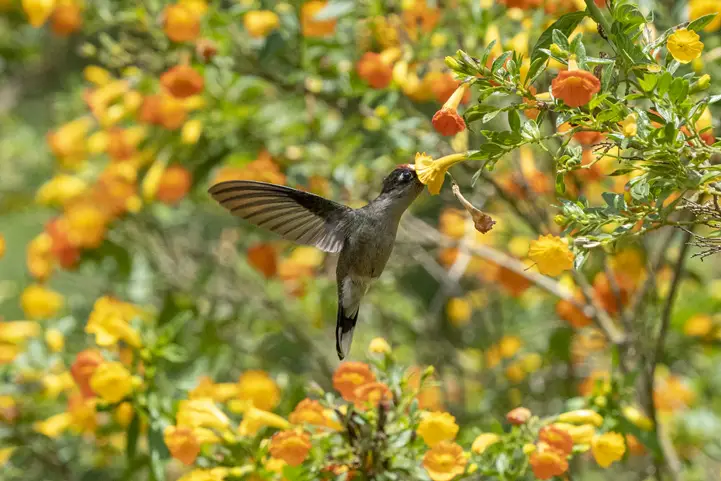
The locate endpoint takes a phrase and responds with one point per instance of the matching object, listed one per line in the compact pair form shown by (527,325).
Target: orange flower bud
(206,49)
(182,81)
(518,416)
(67,19)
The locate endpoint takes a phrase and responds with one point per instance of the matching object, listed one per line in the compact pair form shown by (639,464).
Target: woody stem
(597,15)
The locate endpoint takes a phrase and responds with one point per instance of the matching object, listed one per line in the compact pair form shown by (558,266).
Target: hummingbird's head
(402,182)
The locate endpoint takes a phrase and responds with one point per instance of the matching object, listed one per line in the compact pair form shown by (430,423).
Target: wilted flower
(259,23)
(182,444)
(551,254)
(575,87)
(291,446)
(481,221)
(111,381)
(444,461)
(608,448)
(684,45)
(436,427)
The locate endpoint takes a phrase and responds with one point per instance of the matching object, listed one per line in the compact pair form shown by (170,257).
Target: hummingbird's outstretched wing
(295,215)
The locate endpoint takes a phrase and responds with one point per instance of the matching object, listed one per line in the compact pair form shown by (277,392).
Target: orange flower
(182,81)
(174,184)
(180,23)
(429,396)
(308,411)
(575,87)
(605,294)
(445,85)
(420,18)
(83,369)
(66,19)
(2,246)
(62,249)
(375,68)
(86,224)
(263,169)
(372,393)
(446,121)
(182,444)
(557,439)
(263,258)
(444,461)
(315,28)
(522,4)
(514,283)
(291,446)
(349,376)
(547,463)
(122,143)
(39,258)
(518,416)
(567,311)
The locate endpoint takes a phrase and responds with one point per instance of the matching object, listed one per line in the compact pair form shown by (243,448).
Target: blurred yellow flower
(17,332)
(629,127)
(190,133)
(260,23)
(38,11)
(436,427)
(60,190)
(637,418)
(55,339)
(514,372)
(684,45)
(699,8)
(97,75)
(698,325)
(54,426)
(459,311)
(312,27)
(199,474)
(202,413)
(551,254)
(220,392)
(67,142)
(86,224)
(39,302)
(291,446)
(182,444)
(379,345)
(6,454)
(580,434)
(55,384)
(433,172)
(111,381)
(509,346)
(581,416)
(181,23)
(2,246)
(444,461)
(607,448)
(483,440)
(259,388)
(254,419)
(109,321)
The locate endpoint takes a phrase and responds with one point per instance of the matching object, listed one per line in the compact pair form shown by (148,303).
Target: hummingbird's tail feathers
(344,327)
(293,214)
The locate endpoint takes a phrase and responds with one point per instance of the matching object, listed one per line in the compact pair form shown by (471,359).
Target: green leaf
(158,451)
(530,130)
(565,24)
(648,82)
(560,184)
(498,63)
(559,345)
(698,24)
(132,438)
(335,9)
(560,39)
(514,120)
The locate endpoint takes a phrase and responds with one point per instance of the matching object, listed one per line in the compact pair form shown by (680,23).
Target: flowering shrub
(550,290)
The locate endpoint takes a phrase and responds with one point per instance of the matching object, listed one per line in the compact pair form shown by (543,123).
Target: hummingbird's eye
(405,176)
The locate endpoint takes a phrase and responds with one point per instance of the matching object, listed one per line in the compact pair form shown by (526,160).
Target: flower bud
(452,63)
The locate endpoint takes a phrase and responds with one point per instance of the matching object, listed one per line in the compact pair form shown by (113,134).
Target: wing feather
(295,215)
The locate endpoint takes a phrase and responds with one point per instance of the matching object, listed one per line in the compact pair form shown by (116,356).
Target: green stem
(598,16)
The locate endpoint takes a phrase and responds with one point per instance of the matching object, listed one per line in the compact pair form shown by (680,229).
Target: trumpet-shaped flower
(432,172)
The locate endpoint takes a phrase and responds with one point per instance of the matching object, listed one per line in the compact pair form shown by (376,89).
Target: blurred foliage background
(285,97)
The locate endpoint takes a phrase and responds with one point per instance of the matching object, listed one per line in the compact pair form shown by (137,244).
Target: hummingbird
(363,237)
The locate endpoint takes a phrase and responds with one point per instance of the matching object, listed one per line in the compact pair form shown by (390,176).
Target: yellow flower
(379,346)
(220,392)
(580,434)
(637,418)
(459,311)
(684,45)
(551,254)
(607,448)
(215,474)
(444,461)
(6,454)
(55,384)
(699,8)
(109,321)
(38,11)
(433,172)
(191,131)
(16,332)
(698,325)
(60,190)
(436,427)
(259,388)
(111,381)
(55,425)
(182,444)
(97,75)
(254,419)
(39,302)
(581,416)
(259,23)
(2,246)
(483,440)
(509,346)
(629,126)
(201,413)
